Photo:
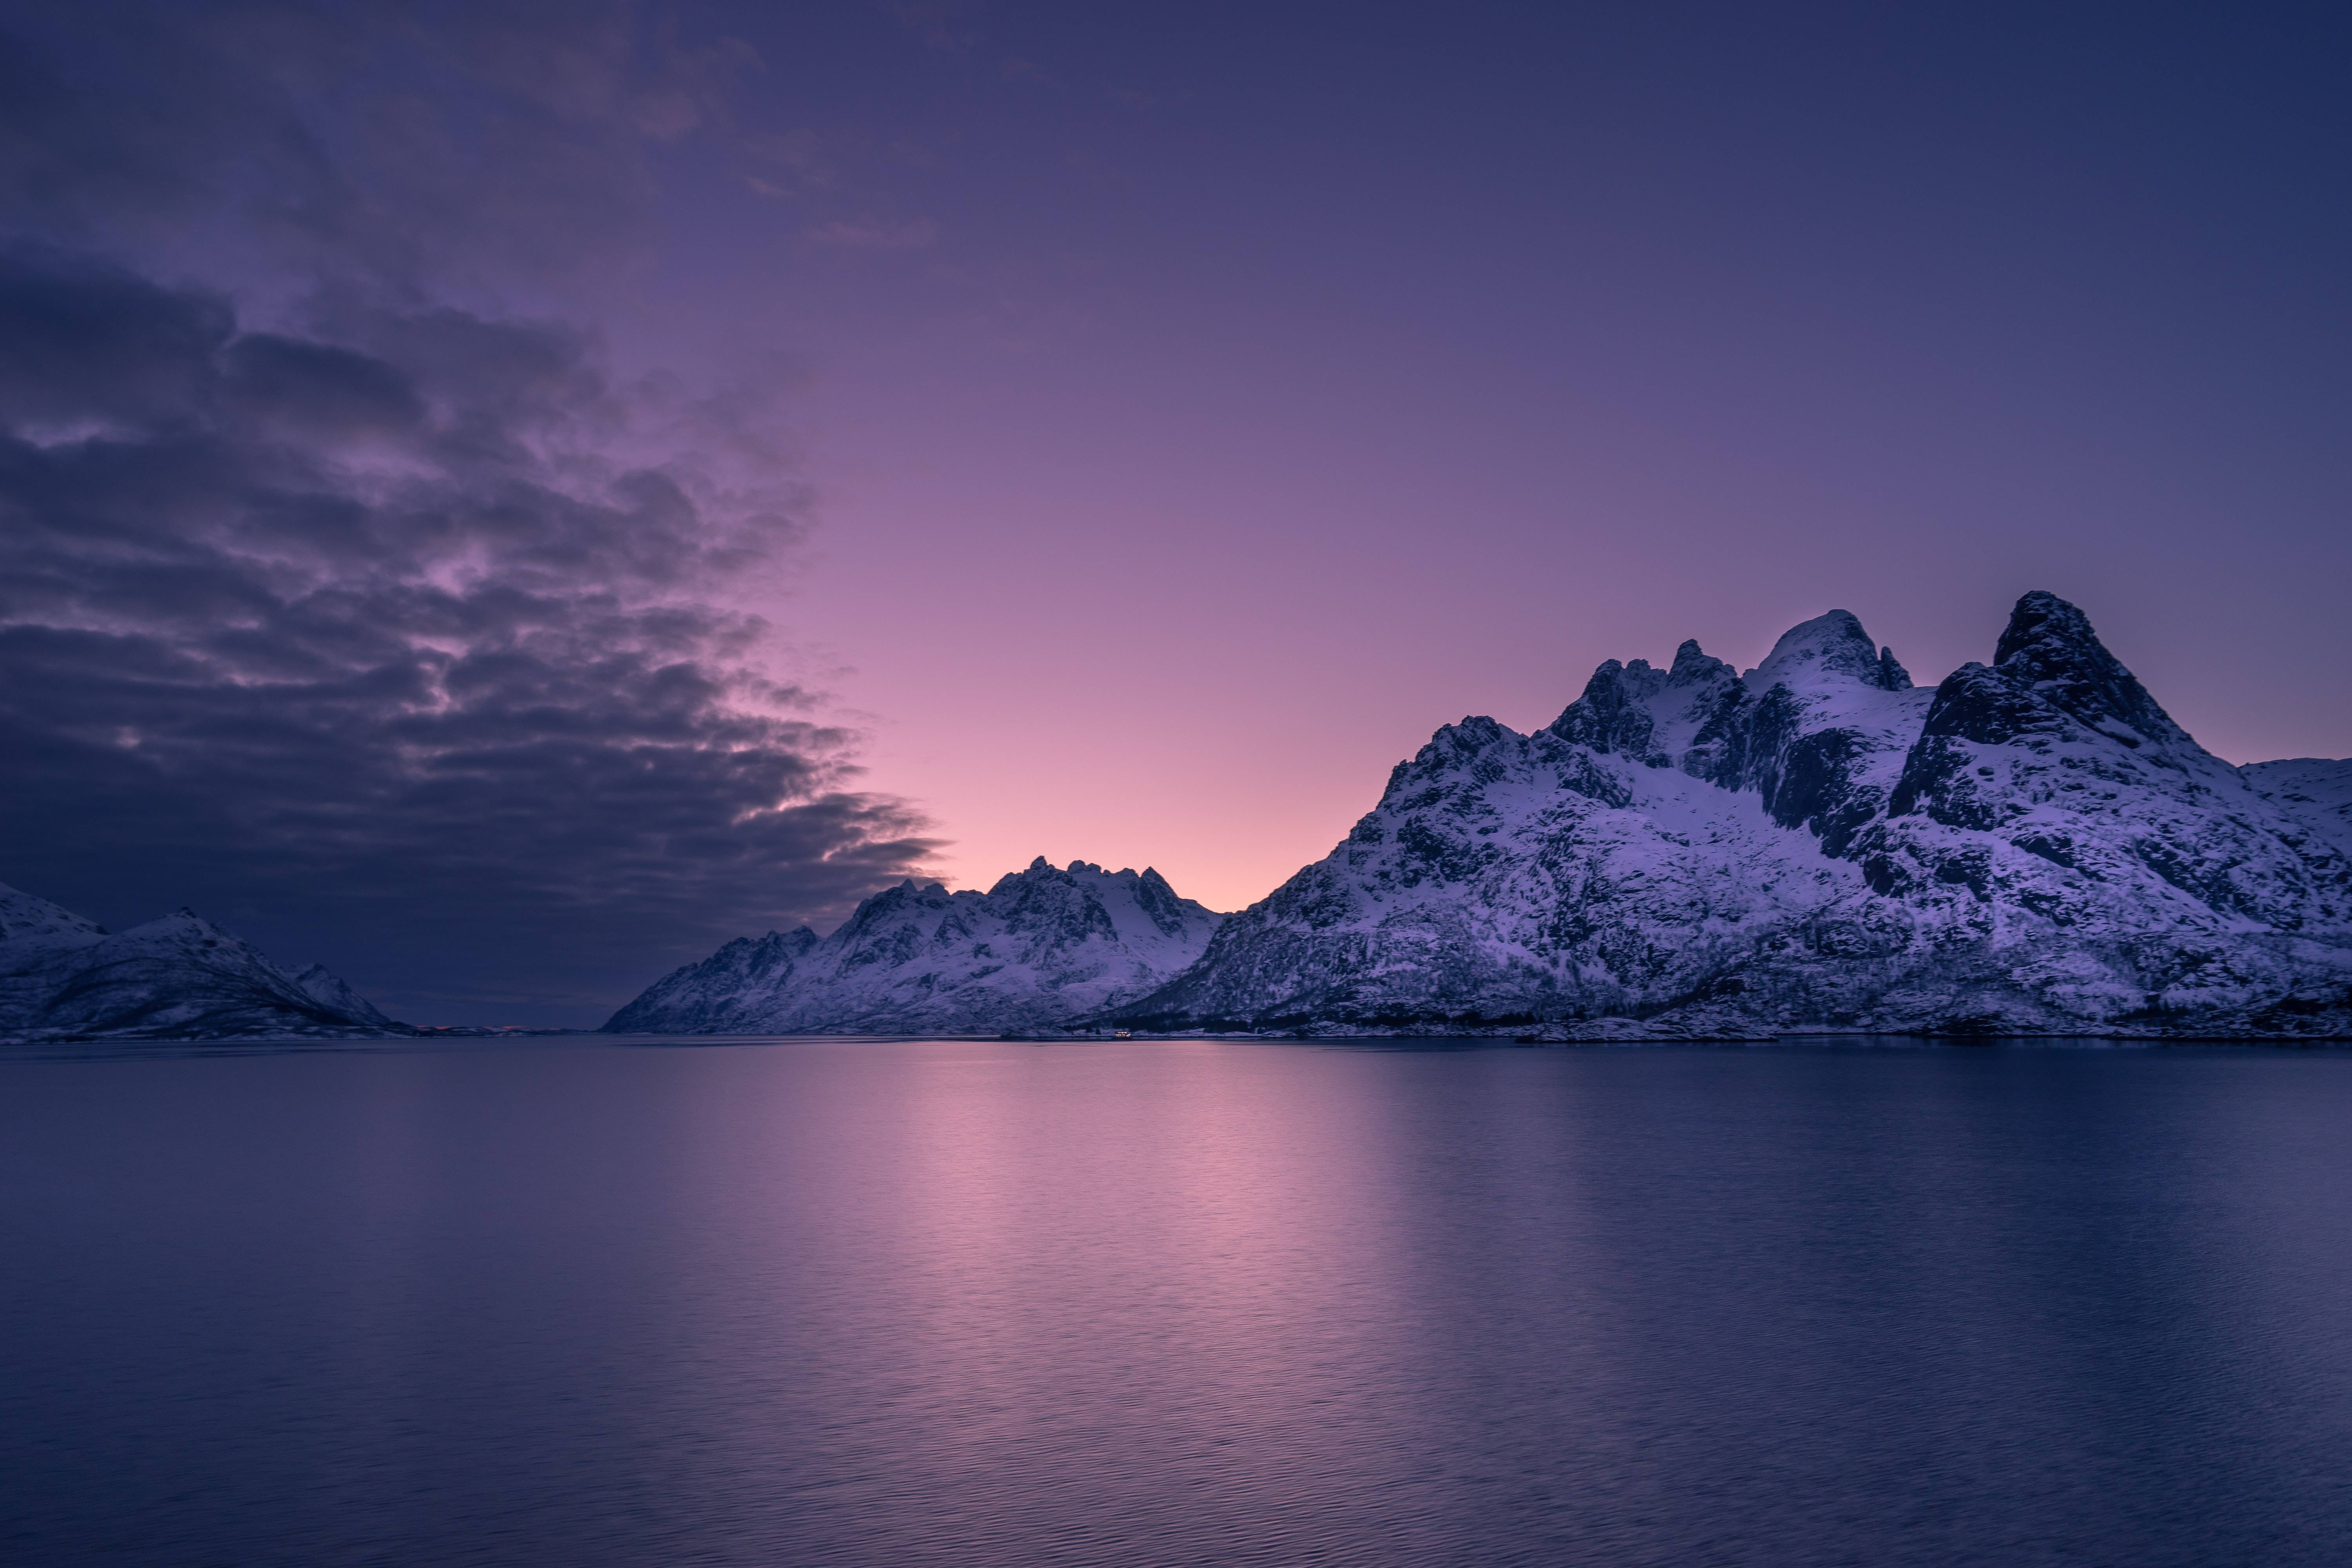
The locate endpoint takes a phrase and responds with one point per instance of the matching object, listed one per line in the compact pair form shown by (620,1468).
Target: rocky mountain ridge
(1815,845)
(2034,846)
(1041,948)
(63,977)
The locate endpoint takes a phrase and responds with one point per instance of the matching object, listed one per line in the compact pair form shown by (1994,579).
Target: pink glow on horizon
(1229,432)
(1211,668)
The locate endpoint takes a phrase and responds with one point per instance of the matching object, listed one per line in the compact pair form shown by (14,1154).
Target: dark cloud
(402,143)
(386,631)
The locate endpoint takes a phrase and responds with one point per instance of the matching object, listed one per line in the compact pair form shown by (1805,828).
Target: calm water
(980,1304)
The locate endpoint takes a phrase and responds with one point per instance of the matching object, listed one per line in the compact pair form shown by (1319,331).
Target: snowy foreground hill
(1816,845)
(63,977)
(2032,848)
(1041,948)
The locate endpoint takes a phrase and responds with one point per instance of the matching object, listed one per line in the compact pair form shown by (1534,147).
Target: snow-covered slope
(39,942)
(1041,948)
(2313,790)
(64,977)
(330,991)
(2034,846)
(26,919)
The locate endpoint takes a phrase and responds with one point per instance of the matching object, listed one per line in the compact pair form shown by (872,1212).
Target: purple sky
(1154,425)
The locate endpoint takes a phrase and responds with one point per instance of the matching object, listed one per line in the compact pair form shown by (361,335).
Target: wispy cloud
(876,234)
(801,155)
(939,23)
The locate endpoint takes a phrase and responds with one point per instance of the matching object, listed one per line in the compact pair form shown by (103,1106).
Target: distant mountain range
(1040,949)
(1816,845)
(2034,846)
(65,977)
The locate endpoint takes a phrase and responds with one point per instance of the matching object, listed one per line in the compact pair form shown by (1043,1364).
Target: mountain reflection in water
(1176,1302)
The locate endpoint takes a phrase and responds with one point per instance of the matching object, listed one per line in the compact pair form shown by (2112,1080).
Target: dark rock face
(2034,846)
(2049,648)
(1816,784)
(1613,716)
(1170,915)
(1806,731)
(1041,950)
(1987,706)
(1719,747)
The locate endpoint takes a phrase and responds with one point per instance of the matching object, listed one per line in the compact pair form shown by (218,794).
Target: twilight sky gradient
(481,478)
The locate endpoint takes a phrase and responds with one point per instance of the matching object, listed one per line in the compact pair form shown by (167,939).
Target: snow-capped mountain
(2034,846)
(65,977)
(1041,948)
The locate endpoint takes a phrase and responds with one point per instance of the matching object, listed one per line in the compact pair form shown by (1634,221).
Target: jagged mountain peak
(1471,731)
(2051,683)
(907,894)
(1829,712)
(1041,947)
(1693,667)
(2032,847)
(2048,645)
(1830,644)
(1044,871)
(1623,706)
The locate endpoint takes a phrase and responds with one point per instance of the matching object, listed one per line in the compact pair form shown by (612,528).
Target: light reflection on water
(1179,1302)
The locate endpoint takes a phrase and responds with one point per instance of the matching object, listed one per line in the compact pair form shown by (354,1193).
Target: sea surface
(984,1303)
